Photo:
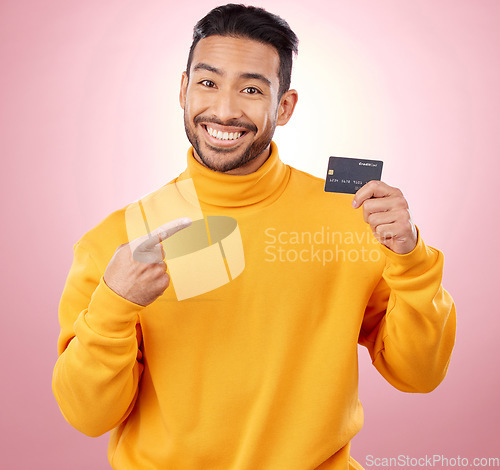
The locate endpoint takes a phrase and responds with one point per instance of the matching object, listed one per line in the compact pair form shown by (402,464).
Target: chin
(222,165)
(220,160)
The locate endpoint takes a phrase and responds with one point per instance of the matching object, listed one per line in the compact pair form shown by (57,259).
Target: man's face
(230,102)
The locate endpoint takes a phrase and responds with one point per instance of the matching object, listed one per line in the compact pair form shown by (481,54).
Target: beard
(245,155)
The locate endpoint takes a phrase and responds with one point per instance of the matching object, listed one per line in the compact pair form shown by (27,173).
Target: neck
(249,167)
(218,191)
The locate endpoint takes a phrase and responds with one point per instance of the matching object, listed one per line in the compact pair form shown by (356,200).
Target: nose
(226,105)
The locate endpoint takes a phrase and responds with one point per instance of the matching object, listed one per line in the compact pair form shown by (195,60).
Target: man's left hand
(386,210)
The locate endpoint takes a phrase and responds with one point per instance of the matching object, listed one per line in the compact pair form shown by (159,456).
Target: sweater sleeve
(95,380)
(409,324)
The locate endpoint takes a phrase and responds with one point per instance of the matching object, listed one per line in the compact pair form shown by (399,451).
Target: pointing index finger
(163,232)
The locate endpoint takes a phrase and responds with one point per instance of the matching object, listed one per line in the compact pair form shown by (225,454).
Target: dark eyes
(250,90)
(207,83)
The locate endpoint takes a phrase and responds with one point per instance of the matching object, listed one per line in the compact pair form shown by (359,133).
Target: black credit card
(347,175)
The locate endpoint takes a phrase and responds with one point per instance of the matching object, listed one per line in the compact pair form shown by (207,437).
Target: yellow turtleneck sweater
(262,372)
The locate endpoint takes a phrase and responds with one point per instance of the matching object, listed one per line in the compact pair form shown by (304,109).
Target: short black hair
(252,23)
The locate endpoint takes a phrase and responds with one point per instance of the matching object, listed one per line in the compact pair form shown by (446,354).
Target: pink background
(89,121)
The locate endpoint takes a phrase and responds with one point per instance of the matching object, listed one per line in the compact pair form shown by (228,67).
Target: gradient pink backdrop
(89,121)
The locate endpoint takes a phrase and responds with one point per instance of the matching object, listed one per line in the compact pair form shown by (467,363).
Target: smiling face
(230,103)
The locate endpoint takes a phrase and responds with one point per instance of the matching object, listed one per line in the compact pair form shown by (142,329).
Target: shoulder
(101,241)
(121,226)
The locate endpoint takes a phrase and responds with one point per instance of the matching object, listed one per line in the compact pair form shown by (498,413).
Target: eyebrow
(256,76)
(246,76)
(210,68)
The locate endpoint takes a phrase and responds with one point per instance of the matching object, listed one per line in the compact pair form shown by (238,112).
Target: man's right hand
(137,271)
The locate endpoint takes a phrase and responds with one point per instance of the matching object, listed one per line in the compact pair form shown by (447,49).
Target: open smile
(222,136)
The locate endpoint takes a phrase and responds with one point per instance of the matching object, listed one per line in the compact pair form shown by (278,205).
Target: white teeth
(223,135)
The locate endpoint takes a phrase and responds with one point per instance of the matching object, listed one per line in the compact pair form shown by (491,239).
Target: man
(260,373)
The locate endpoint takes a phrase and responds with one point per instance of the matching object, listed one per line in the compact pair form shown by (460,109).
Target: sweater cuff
(420,260)
(111,315)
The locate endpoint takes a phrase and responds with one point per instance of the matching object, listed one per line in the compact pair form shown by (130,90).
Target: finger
(152,255)
(403,227)
(385,204)
(167,230)
(162,252)
(162,232)
(381,218)
(374,206)
(385,233)
(372,189)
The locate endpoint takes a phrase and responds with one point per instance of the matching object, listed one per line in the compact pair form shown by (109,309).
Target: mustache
(230,123)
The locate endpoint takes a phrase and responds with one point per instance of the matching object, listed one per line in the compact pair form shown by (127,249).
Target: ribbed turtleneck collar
(217,190)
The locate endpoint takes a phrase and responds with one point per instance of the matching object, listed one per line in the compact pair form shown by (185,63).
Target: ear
(182,94)
(286,106)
